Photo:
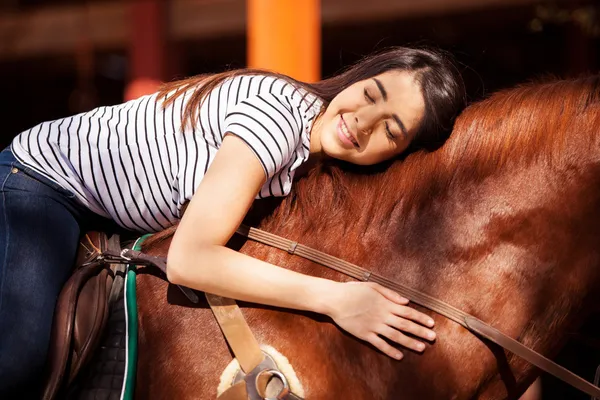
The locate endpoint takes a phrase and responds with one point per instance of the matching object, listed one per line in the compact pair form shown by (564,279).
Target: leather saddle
(82,312)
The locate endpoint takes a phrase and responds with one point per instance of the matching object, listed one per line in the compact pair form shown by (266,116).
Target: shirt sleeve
(267,124)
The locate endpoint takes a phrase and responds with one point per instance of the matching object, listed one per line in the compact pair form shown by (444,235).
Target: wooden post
(146,47)
(285,36)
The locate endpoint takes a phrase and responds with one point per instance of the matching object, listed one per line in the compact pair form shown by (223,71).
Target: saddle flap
(91,315)
(80,315)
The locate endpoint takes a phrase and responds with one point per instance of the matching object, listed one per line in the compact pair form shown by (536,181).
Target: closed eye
(368,97)
(389,133)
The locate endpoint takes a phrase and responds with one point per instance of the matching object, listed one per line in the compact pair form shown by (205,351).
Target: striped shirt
(136,164)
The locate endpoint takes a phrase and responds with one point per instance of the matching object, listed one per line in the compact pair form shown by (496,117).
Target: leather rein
(468,321)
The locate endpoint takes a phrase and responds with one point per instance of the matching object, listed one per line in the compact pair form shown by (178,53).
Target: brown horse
(502,222)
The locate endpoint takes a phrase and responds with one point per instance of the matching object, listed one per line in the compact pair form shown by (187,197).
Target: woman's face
(372,120)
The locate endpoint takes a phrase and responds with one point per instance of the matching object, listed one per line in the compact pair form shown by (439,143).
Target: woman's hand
(368,310)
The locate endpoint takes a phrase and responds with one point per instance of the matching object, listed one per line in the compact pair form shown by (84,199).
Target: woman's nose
(364,124)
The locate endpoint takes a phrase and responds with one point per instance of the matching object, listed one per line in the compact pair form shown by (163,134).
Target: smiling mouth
(346,132)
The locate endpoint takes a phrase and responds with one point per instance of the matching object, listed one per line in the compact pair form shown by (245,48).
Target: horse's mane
(521,124)
(510,129)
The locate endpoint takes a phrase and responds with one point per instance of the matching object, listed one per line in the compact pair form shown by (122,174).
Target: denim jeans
(40,227)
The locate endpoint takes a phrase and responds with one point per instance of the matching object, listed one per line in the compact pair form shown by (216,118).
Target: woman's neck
(315,149)
(315,135)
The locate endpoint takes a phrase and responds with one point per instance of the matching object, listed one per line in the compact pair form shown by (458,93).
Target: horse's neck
(512,248)
(516,228)
(493,247)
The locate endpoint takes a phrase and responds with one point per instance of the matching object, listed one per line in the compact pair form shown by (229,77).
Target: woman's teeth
(347,134)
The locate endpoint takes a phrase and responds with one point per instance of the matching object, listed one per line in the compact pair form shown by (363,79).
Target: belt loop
(292,248)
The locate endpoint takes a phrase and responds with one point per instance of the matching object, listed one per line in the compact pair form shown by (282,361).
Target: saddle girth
(257,368)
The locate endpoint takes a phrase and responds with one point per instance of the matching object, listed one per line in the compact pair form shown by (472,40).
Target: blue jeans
(40,227)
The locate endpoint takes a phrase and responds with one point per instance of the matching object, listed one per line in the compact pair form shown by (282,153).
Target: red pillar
(285,36)
(147,47)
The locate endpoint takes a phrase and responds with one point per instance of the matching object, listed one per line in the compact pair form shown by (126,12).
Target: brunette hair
(441,85)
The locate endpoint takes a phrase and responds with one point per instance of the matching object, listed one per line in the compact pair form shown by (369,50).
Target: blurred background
(60,57)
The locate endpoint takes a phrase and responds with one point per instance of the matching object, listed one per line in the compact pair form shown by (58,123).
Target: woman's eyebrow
(396,118)
(401,125)
(381,89)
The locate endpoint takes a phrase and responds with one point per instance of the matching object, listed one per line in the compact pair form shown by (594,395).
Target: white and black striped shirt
(136,164)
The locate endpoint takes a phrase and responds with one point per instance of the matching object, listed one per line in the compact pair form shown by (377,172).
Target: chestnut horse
(503,222)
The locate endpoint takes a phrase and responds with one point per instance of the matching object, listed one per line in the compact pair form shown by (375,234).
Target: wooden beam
(58,29)
(285,36)
(147,48)
(54,30)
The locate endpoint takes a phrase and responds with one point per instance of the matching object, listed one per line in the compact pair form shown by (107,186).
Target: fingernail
(431,335)
(398,356)
(430,322)
(421,346)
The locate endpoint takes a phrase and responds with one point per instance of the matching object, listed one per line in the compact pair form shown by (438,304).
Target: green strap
(132,326)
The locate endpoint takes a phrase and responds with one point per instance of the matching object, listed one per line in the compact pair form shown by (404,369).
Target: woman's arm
(199,259)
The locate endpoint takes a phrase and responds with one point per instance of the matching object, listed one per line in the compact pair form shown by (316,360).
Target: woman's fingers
(389,293)
(403,340)
(413,315)
(385,347)
(408,326)
(380,316)
(396,336)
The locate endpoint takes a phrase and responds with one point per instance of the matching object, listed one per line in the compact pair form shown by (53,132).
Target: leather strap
(247,351)
(526,353)
(114,243)
(466,320)
(236,331)
(128,256)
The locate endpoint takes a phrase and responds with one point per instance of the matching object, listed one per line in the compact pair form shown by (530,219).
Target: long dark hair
(441,85)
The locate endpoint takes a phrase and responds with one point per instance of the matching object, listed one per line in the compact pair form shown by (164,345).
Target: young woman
(217,142)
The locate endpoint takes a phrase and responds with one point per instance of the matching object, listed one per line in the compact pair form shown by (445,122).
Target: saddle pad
(102,378)
(111,372)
